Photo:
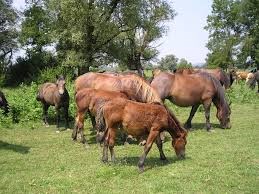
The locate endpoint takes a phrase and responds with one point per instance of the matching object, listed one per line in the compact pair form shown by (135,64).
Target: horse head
(179,144)
(223,114)
(61,83)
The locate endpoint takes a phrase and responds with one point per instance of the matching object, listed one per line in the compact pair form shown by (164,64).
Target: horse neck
(142,91)
(220,101)
(174,127)
(162,87)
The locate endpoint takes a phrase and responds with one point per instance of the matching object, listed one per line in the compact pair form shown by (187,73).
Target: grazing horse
(54,94)
(252,81)
(225,79)
(139,119)
(91,100)
(3,103)
(192,90)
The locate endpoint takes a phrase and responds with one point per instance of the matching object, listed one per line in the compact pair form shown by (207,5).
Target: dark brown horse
(192,90)
(91,100)
(252,81)
(139,119)
(54,94)
(225,79)
(3,103)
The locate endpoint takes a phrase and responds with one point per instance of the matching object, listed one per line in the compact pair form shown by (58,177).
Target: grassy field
(39,160)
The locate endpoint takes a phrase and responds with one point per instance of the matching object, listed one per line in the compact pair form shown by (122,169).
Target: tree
(183,63)
(108,31)
(8,33)
(233,27)
(35,32)
(169,62)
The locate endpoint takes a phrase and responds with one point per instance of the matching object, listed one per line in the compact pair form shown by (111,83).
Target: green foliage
(169,62)
(183,64)
(27,69)
(8,35)
(24,108)
(233,27)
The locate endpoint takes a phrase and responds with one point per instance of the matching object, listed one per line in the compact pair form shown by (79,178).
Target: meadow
(37,159)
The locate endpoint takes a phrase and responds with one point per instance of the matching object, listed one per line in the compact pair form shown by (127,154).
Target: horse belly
(134,128)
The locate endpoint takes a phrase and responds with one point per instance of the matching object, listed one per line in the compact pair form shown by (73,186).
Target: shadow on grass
(150,162)
(201,126)
(16,148)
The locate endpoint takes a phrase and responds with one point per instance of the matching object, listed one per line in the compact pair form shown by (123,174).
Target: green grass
(39,160)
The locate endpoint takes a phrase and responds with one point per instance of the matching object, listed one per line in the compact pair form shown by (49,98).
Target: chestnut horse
(192,90)
(139,119)
(3,103)
(54,94)
(91,100)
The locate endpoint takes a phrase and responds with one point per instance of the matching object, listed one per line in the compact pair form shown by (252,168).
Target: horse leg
(206,106)
(258,86)
(92,120)
(80,126)
(45,114)
(160,147)
(188,123)
(105,147)
(151,138)
(112,134)
(58,115)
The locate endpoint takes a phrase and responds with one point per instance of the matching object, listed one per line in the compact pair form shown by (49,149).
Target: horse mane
(220,93)
(225,79)
(173,121)
(142,87)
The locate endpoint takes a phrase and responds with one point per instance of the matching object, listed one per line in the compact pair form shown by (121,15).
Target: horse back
(136,118)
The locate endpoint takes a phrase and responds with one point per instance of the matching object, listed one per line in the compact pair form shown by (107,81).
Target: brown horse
(135,87)
(192,90)
(253,79)
(3,103)
(54,94)
(139,119)
(225,79)
(91,100)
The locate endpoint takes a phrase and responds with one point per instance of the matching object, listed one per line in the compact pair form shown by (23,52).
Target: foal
(139,119)
(54,94)
(90,100)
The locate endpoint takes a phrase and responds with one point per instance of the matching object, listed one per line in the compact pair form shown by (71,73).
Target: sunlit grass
(39,160)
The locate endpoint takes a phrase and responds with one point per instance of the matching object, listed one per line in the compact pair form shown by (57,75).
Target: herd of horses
(129,103)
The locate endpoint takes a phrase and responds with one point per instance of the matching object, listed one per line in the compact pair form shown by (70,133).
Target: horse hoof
(68,129)
(57,131)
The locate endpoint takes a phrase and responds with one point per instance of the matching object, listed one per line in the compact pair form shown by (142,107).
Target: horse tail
(100,124)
